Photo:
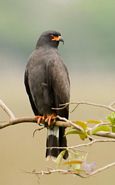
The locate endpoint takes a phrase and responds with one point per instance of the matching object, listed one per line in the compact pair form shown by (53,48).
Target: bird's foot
(40,119)
(50,119)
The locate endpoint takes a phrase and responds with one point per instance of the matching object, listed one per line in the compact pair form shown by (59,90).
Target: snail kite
(47,85)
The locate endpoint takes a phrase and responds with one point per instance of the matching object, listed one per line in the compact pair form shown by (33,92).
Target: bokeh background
(88,28)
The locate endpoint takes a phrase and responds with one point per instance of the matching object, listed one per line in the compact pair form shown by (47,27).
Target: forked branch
(63,122)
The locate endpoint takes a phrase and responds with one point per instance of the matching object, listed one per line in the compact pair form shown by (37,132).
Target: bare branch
(107,107)
(102,169)
(105,134)
(110,108)
(83,174)
(63,122)
(18,121)
(31,120)
(7,110)
(47,172)
(112,104)
(86,144)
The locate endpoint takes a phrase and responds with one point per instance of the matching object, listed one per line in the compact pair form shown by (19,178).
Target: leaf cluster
(77,160)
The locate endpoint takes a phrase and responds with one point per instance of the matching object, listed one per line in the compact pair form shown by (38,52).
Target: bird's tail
(52,141)
(63,141)
(55,138)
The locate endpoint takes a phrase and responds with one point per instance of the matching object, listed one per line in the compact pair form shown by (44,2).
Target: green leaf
(111,118)
(82,124)
(91,121)
(83,136)
(113,128)
(71,130)
(60,157)
(106,128)
(74,131)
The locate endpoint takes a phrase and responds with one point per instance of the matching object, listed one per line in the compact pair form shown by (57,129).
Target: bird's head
(49,38)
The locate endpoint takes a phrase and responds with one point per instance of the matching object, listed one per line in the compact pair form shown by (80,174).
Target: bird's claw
(40,119)
(49,119)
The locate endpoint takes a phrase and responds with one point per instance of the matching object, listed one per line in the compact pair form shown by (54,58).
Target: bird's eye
(52,36)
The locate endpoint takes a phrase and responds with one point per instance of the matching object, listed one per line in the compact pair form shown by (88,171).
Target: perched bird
(47,85)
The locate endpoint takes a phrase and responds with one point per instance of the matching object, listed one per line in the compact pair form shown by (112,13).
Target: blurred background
(88,29)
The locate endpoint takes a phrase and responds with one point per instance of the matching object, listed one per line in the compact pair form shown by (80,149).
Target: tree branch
(107,107)
(86,144)
(7,110)
(75,172)
(18,121)
(68,123)
(63,122)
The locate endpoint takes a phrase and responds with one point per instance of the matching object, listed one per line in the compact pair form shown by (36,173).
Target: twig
(105,134)
(109,107)
(112,104)
(93,142)
(80,129)
(38,129)
(7,110)
(75,172)
(101,169)
(47,172)
(86,144)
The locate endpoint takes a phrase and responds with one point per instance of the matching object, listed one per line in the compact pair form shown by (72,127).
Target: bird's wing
(58,80)
(29,92)
(59,86)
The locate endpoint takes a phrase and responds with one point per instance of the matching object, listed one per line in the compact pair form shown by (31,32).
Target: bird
(47,84)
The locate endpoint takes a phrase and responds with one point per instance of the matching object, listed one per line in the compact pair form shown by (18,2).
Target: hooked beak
(61,39)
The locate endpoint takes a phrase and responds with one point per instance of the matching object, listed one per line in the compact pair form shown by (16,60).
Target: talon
(40,119)
(50,119)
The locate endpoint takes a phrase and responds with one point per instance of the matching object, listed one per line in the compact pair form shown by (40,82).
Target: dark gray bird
(47,85)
